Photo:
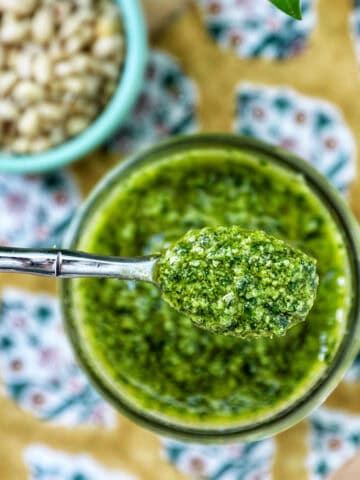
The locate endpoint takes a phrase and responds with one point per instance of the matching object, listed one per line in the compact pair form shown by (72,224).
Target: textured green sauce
(155,356)
(233,281)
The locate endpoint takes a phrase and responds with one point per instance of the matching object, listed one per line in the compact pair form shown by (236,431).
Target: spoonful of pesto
(228,280)
(238,282)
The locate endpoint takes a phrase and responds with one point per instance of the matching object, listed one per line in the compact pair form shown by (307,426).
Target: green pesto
(155,356)
(233,281)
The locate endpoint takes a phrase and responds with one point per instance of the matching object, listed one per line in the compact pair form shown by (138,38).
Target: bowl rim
(113,115)
(312,398)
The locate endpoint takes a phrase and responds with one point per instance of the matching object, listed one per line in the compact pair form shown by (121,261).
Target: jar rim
(350,343)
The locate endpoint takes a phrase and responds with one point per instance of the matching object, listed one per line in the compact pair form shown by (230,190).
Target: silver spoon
(71,264)
(196,286)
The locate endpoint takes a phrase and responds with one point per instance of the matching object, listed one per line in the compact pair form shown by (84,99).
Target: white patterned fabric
(38,367)
(309,127)
(166,107)
(247,461)
(257,28)
(334,438)
(44,463)
(36,209)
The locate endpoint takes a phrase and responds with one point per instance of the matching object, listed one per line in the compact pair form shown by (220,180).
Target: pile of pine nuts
(60,62)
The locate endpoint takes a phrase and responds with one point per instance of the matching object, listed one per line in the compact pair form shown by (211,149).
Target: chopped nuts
(60,62)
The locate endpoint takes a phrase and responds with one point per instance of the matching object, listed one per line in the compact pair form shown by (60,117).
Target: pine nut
(29,123)
(7,81)
(8,110)
(60,61)
(76,125)
(42,69)
(107,46)
(26,92)
(43,25)
(13,30)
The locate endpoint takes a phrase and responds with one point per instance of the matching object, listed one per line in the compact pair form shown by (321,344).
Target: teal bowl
(111,118)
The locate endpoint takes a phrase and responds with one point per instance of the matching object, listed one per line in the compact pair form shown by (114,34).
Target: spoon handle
(71,264)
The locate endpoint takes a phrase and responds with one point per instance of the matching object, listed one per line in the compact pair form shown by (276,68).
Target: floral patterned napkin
(37,366)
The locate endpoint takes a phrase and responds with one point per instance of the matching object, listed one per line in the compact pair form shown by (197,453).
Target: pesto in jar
(233,281)
(156,358)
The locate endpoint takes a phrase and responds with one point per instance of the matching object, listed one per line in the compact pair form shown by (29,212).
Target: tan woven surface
(327,69)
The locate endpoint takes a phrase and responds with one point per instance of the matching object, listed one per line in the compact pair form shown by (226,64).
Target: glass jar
(349,344)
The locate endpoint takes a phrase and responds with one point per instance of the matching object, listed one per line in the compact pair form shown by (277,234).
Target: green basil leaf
(291,7)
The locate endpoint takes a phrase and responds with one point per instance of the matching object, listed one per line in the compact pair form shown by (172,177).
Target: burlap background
(328,69)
